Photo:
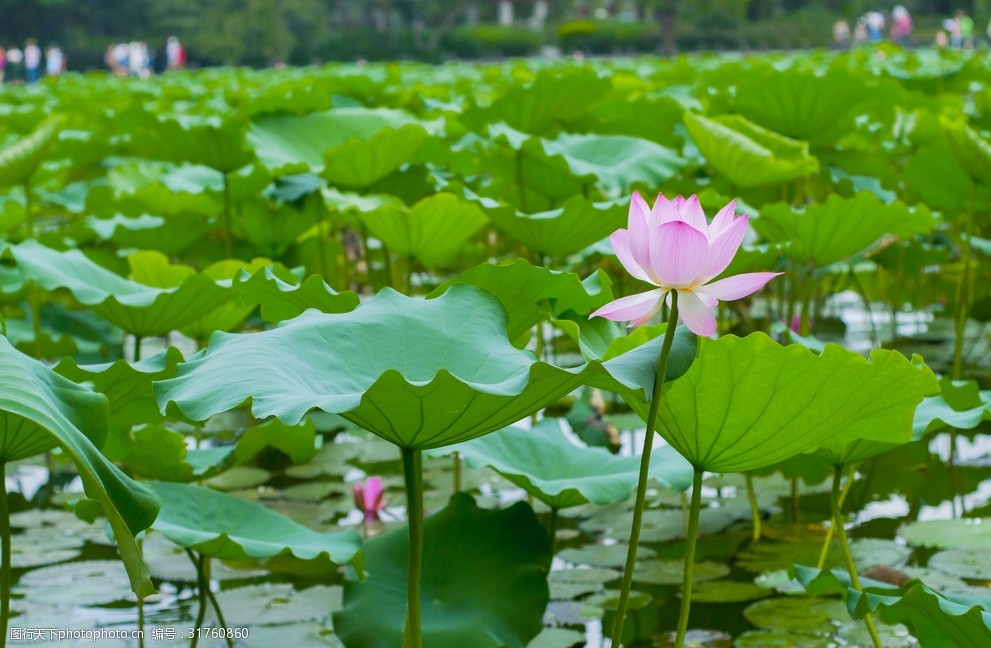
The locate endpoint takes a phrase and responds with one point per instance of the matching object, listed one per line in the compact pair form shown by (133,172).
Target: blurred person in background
(901,25)
(32,60)
(875,26)
(15,64)
(54,60)
(841,34)
(965,25)
(175,54)
(3,62)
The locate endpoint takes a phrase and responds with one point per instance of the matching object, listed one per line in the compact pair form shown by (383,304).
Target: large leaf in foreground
(839,228)
(484,581)
(750,402)
(41,410)
(230,528)
(551,468)
(747,154)
(937,621)
(972,151)
(419,373)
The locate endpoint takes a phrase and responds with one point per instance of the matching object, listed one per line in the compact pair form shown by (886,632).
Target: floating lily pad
(970,563)
(793,614)
(275,604)
(600,555)
(782,639)
(239,477)
(963,533)
(94,582)
(671,572)
(557,638)
(724,591)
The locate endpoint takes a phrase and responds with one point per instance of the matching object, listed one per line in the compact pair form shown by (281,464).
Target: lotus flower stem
(851,567)
(28,212)
(754,509)
(217,610)
(5,559)
(552,528)
(648,442)
(456,471)
(141,601)
(686,583)
(829,532)
(137,348)
(228,231)
(412,469)
(202,585)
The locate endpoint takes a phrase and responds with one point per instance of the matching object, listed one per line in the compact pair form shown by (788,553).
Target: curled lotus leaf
(420,373)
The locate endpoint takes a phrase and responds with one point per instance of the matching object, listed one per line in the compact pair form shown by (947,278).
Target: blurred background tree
(267,32)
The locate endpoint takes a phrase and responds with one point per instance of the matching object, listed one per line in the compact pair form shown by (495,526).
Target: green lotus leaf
(816,108)
(750,402)
(577,224)
(540,107)
(964,533)
(747,154)
(934,175)
(359,163)
(548,466)
(220,144)
(484,581)
(127,386)
(839,228)
(229,314)
(617,162)
(935,620)
(170,235)
(419,373)
(972,151)
(296,441)
(161,453)
(282,296)
(43,410)
(432,230)
(291,144)
(19,160)
(138,308)
(530,294)
(230,528)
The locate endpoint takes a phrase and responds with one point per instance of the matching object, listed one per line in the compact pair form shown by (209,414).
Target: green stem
(137,348)
(754,509)
(228,231)
(202,585)
(648,442)
(409,274)
(5,559)
(829,532)
(520,184)
(456,469)
(795,512)
(552,529)
(141,607)
(413,635)
(34,302)
(220,617)
(28,211)
(686,583)
(322,242)
(845,550)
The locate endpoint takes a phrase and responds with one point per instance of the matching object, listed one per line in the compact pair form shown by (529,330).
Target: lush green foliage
(259,282)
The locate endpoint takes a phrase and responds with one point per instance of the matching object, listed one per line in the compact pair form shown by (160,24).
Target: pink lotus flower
(368,497)
(673,247)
